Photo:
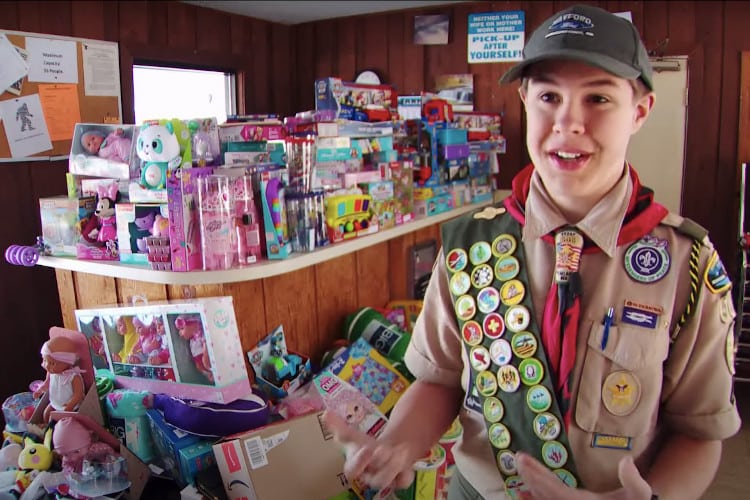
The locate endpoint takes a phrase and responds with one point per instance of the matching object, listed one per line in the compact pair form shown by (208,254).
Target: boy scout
(582,334)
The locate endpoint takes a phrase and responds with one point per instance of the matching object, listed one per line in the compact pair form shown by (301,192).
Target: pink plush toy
(74,442)
(189,327)
(115,146)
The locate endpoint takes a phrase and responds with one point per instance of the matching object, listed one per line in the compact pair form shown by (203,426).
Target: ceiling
(292,12)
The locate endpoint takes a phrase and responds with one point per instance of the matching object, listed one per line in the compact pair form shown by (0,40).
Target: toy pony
(64,383)
(189,328)
(159,148)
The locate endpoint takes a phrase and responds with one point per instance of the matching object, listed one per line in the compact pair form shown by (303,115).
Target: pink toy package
(184,232)
(347,402)
(99,234)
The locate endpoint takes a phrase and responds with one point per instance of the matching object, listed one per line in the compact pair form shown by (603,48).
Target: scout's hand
(544,485)
(375,463)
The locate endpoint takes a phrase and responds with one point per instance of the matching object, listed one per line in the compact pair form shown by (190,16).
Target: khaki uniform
(684,388)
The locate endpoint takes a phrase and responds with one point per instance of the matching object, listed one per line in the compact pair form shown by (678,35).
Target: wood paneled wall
(278,65)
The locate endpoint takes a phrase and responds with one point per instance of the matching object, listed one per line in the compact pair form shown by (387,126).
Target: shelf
(263,269)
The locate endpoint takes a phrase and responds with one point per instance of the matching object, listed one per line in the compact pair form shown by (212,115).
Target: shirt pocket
(627,373)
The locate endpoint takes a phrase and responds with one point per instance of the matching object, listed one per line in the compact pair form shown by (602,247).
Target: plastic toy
(63,384)
(21,255)
(280,368)
(113,146)
(158,147)
(74,442)
(189,327)
(437,110)
(17,411)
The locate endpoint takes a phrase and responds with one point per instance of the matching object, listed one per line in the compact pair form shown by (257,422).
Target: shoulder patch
(715,277)
(686,226)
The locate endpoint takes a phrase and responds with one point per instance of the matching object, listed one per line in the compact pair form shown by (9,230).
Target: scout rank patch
(716,277)
(647,260)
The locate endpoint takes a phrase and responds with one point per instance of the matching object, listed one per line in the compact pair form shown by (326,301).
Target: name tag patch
(612,442)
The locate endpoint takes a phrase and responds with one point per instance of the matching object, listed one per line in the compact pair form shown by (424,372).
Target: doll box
(291,459)
(184,348)
(293,370)
(136,222)
(116,156)
(62,219)
(184,234)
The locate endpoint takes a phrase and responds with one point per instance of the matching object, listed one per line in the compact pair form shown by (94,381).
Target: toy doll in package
(100,150)
(100,231)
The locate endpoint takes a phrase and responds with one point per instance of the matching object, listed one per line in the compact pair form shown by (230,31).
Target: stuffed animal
(64,383)
(158,147)
(33,459)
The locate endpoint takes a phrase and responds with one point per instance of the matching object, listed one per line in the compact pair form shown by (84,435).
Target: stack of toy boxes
(356,101)
(62,221)
(479,170)
(252,140)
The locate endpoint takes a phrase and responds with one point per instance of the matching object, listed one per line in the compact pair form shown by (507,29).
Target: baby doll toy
(189,328)
(148,349)
(114,146)
(73,441)
(159,148)
(63,383)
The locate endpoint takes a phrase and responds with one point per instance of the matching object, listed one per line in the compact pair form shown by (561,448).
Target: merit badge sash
(509,370)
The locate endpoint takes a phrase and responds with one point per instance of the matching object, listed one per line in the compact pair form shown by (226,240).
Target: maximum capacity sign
(496,36)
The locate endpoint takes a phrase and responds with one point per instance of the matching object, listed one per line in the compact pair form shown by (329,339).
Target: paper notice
(24,125)
(101,70)
(60,105)
(13,67)
(52,61)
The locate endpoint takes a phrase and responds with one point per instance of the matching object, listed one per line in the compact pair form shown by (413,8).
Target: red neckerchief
(643,213)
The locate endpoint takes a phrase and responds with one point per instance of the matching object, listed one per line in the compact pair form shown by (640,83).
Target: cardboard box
(150,347)
(62,220)
(135,222)
(291,459)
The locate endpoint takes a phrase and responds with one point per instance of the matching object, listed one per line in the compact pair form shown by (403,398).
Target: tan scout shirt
(690,394)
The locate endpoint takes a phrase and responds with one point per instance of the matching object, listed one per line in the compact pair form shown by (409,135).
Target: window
(164,92)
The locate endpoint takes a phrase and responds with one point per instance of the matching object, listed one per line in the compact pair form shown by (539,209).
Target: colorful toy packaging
(184,233)
(355,101)
(277,371)
(100,150)
(194,343)
(135,223)
(62,221)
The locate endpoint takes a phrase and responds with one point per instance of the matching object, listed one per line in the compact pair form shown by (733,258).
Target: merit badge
(647,260)
(493,325)
(538,398)
(482,276)
(456,260)
(512,292)
(716,277)
(639,317)
(507,268)
(524,345)
(517,318)
(730,351)
(479,253)
(516,488)
(566,477)
(472,333)
(499,436)
(488,299)
(493,410)
(465,307)
(460,283)
(479,357)
(508,379)
(506,462)
(546,426)
(500,352)
(503,245)
(531,371)
(554,454)
(486,384)
(621,392)
(568,247)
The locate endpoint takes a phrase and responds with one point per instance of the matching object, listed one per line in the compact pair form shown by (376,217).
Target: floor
(732,482)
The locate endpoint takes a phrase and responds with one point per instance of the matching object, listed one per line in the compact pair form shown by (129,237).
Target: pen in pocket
(608,318)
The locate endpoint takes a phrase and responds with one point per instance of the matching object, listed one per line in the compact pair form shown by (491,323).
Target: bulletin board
(64,81)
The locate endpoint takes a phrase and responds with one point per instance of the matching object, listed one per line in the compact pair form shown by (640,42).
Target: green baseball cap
(590,35)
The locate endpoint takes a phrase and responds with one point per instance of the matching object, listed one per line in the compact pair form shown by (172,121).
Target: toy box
(402,175)
(479,126)
(180,453)
(363,367)
(187,348)
(383,204)
(355,101)
(251,131)
(277,371)
(135,223)
(434,474)
(290,459)
(347,402)
(100,150)
(62,219)
(349,216)
(271,186)
(433,205)
(184,236)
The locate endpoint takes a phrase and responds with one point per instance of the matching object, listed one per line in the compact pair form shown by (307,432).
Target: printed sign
(496,36)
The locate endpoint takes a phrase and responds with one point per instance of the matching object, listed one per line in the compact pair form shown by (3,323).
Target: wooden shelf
(263,269)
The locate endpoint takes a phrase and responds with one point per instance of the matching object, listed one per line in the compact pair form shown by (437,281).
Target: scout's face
(579,122)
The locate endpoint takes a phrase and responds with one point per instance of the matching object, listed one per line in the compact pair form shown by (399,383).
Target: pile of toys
(161,389)
(186,195)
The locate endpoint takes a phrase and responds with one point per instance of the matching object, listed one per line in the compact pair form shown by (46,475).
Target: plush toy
(74,442)
(114,146)
(64,383)
(9,456)
(33,459)
(100,228)
(144,225)
(189,328)
(158,147)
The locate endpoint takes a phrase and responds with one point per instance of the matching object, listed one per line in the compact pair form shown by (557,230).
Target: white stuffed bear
(158,147)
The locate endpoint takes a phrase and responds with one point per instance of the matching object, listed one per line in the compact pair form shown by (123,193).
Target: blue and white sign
(496,36)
